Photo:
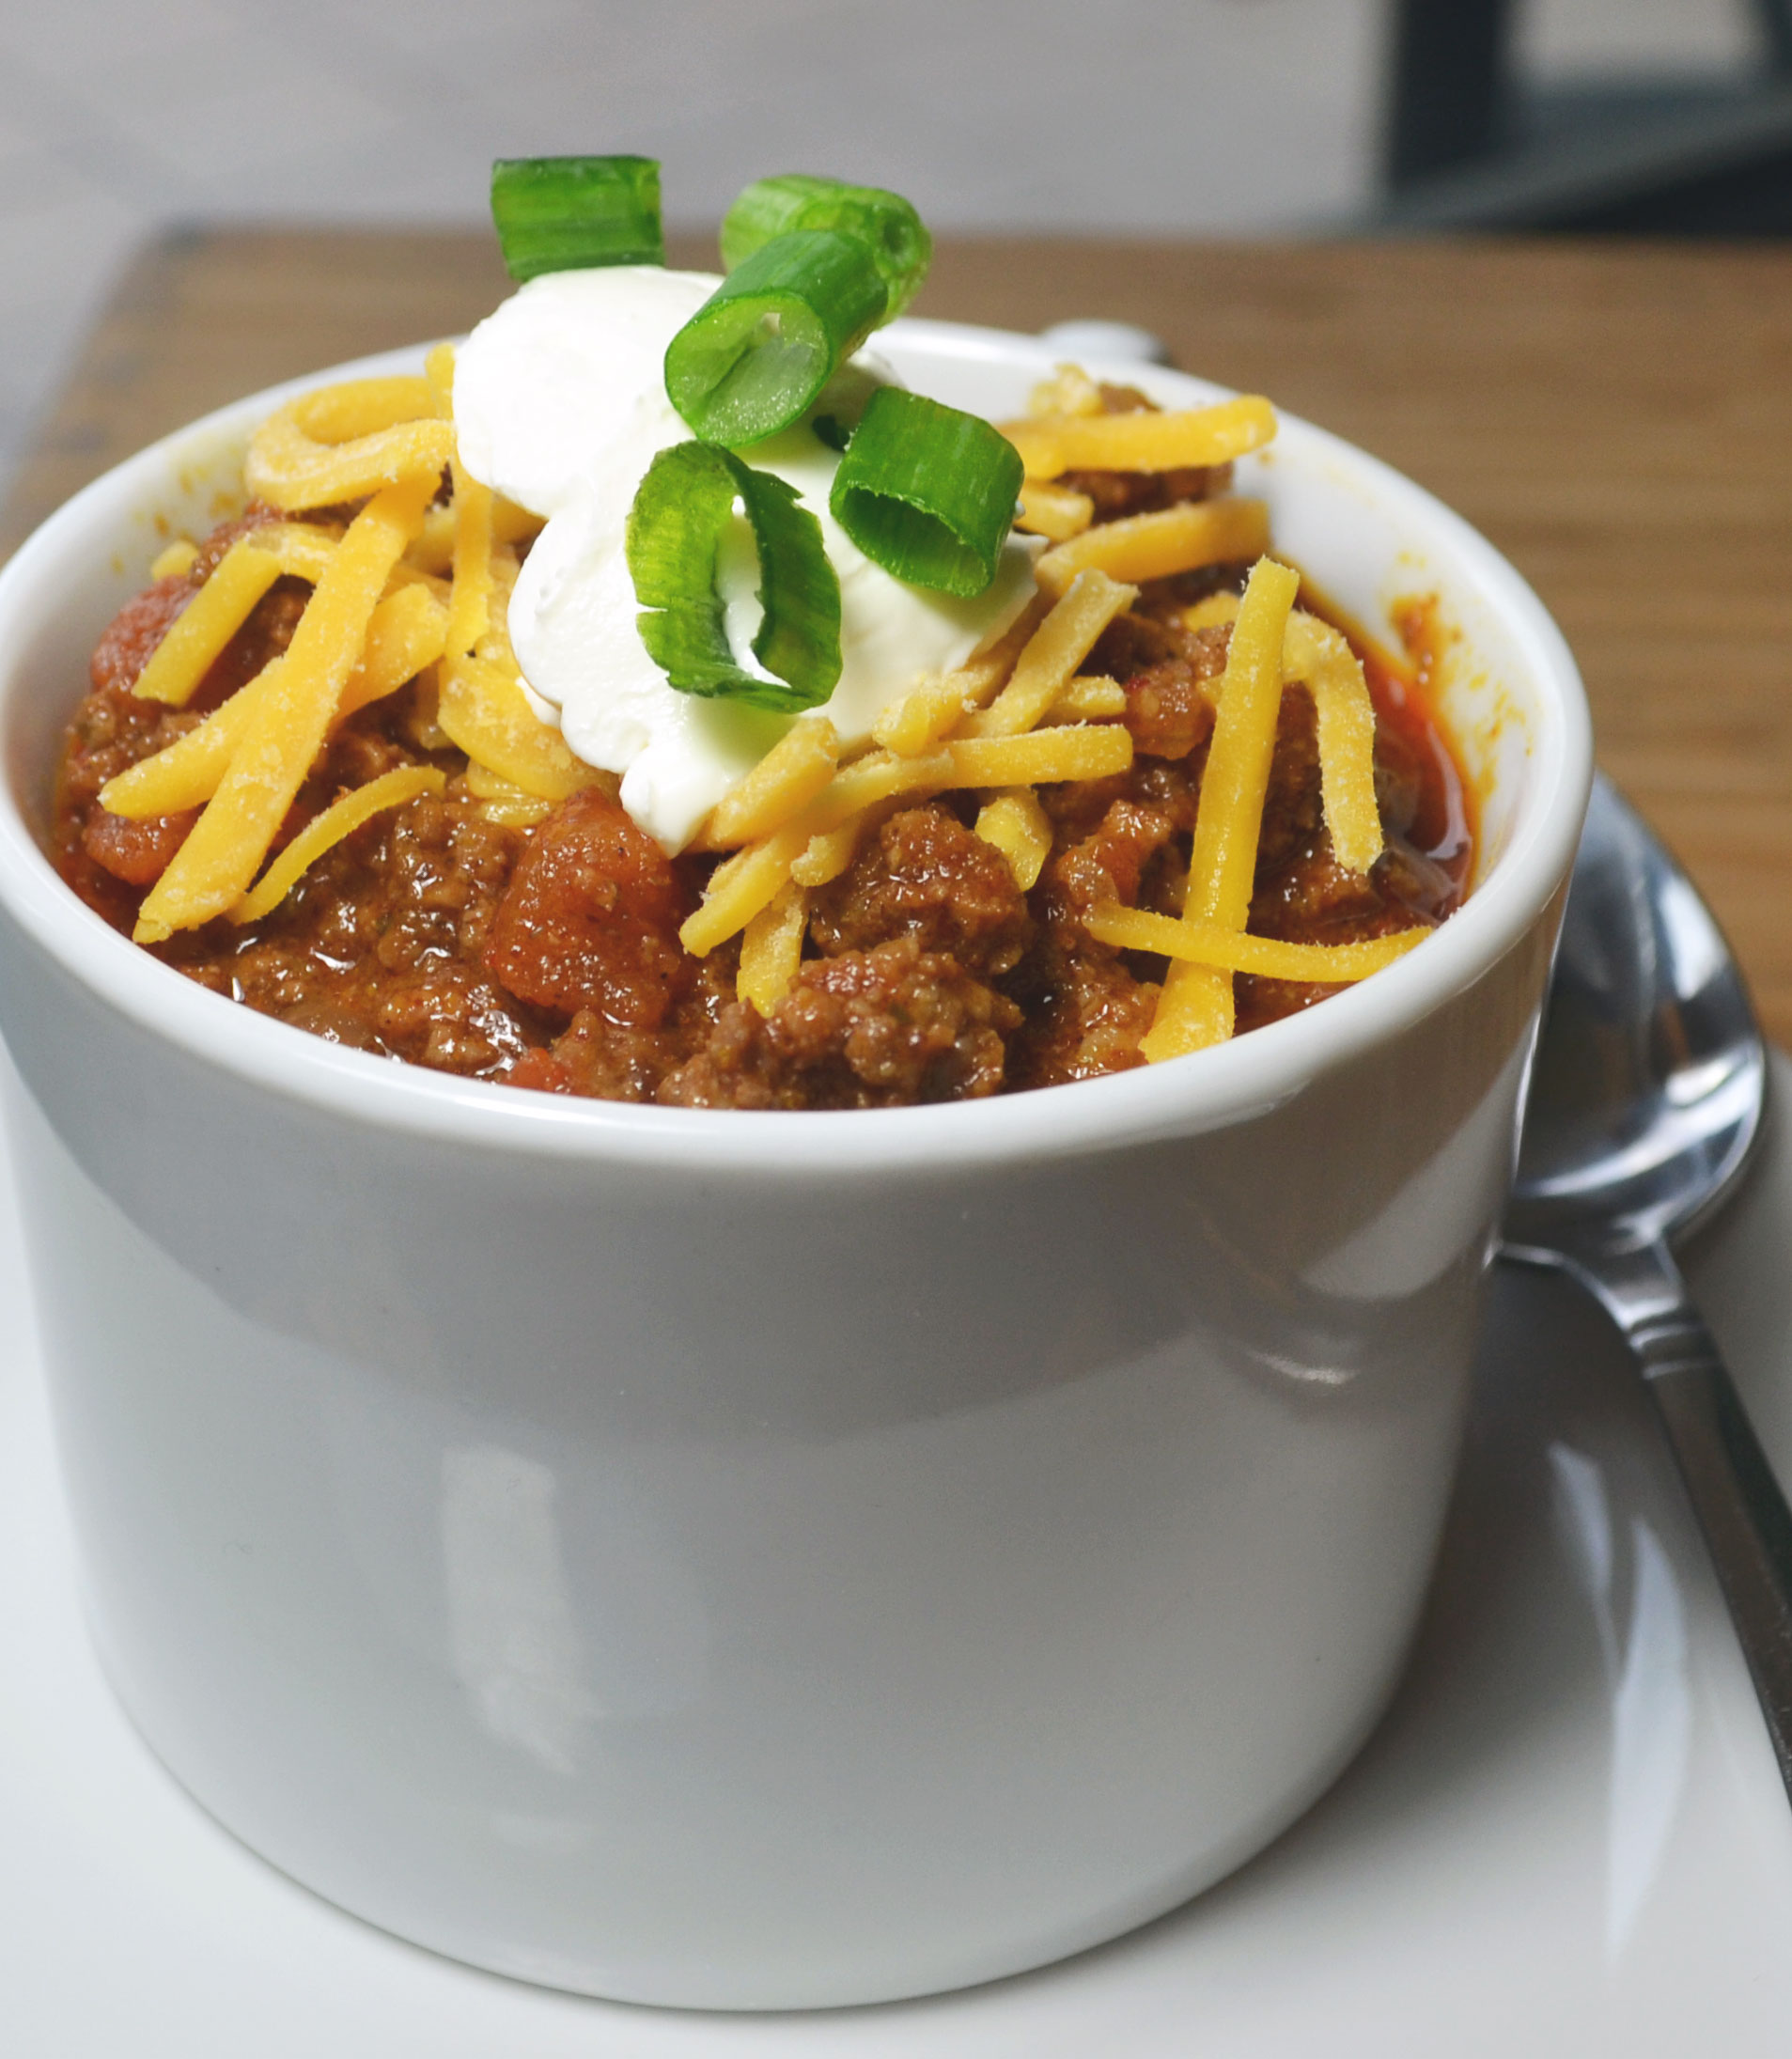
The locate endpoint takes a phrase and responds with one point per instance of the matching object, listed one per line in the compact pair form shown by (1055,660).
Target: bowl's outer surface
(769,1561)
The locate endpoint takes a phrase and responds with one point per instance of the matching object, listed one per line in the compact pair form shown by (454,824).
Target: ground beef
(1291,807)
(550,958)
(927,877)
(865,1029)
(1086,1008)
(1088,1020)
(1170,696)
(378,944)
(600,1060)
(1109,863)
(1117,494)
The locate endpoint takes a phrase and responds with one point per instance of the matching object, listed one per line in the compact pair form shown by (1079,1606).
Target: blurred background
(1203,118)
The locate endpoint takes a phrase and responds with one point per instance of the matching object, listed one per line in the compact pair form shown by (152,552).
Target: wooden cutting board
(1617,417)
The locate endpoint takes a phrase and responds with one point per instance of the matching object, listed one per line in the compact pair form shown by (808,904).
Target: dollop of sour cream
(560,404)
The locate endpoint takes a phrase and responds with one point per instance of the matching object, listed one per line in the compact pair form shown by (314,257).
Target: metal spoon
(1646,1100)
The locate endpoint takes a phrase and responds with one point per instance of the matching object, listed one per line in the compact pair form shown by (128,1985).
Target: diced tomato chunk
(135,632)
(591,916)
(135,852)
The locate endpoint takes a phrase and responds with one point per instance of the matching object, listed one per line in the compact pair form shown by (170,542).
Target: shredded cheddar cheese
(1181,539)
(197,638)
(743,884)
(784,780)
(828,854)
(1333,674)
(482,709)
(1195,1006)
(1052,653)
(270,762)
(1057,512)
(501,802)
(916,724)
(1016,824)
(1143,442)
(1222,950)
(302,548)
(1068,390)
(433,550)
(347,441)
(1041,757)
(772,948)
(470,605)
(178,558)
(740,886)
(1087,699)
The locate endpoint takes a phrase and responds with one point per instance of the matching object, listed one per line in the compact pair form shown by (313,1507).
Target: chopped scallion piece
(572,214)
(794,200)
(927,492)
(676,527)
(765,343)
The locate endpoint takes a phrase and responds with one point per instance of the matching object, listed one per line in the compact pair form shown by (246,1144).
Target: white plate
(1568,1837)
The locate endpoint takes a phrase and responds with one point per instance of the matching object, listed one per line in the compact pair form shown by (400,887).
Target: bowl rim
(1208,1090)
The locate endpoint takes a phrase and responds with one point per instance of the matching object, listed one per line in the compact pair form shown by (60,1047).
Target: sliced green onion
(927,492)
(571,213)
(765,343)
(885,221)
(681,513)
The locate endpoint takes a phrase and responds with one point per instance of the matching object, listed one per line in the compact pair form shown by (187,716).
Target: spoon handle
(1740,1504)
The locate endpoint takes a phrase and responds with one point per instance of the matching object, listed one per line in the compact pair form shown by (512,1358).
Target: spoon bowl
(1647,1098)
(1651,1076)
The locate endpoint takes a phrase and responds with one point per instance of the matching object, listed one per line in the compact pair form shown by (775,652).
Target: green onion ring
(895,233)
(572,214)
(681,510)
(757,352)
(927,492)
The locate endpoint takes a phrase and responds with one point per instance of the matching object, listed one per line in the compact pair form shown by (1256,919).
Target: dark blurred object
(1451,88)
(1469,148)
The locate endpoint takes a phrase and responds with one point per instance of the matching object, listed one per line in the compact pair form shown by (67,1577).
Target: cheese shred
(1195,1006)
(772,948)
(1221,949)
(1143,440)
(213,868)
(206,625)
(347,441)
(1158,546)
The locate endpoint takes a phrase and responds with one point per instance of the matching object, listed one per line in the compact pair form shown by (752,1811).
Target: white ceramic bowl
(771,1560)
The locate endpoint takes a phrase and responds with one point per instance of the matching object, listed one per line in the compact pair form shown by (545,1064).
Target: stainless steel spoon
(1646,1100)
